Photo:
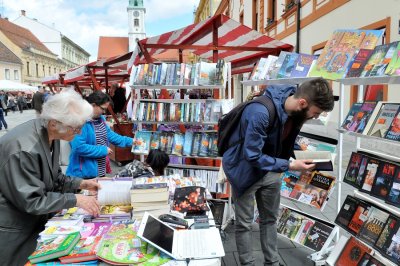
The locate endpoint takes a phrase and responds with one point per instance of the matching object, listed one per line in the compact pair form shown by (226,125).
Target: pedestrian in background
(21,101)
(2,120)
(37,101)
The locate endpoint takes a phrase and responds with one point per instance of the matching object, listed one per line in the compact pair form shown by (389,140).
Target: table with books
(73,236)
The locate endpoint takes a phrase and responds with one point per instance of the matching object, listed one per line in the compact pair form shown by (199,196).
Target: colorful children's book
(141,143)
(380,68)
(393,132)
(54,248)
(339,51)
(358,63)
(376,57)
(289,180)
(363,115)
(393,68)
(302,65)
(350,123)
(85,250)
(288,65)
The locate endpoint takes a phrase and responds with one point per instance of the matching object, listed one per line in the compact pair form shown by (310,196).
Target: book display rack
(374,174)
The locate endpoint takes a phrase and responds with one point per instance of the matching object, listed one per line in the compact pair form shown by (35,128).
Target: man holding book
(32,185)
(253,166)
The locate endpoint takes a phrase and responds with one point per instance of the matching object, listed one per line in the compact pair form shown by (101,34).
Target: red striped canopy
(218,37)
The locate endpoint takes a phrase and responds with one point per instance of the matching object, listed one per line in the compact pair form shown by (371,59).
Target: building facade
(66,50)
(10,65)
(308,24)
(136,14)
(37,60)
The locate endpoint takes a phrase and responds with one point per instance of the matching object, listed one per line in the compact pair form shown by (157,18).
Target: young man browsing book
(253,166)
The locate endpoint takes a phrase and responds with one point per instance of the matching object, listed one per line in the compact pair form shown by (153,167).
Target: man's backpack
(228,123)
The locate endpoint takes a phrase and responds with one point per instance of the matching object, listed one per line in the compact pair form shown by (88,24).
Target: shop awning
(218,37)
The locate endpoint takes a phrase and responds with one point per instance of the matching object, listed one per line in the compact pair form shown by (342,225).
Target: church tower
(136,12)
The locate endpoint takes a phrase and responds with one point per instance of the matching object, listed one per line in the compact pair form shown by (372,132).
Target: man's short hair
(317,92)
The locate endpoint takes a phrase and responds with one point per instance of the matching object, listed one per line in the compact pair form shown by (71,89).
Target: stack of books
(152,198)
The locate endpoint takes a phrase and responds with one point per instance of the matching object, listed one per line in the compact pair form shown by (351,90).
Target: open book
(322,159)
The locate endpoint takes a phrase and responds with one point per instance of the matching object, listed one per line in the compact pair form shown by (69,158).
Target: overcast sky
(83,21)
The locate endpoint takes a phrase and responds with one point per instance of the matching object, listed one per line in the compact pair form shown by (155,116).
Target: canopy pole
(215,40)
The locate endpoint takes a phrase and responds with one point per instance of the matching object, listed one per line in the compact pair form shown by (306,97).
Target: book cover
(204,145)
(188,143)
(258,69)
(54,248)
(155,141)
(207,73)
(347,211)
(375,58)
(361,171)
(352,169)
(359,217)
(177,146)
(374,225)
(273,74)
(196,143)
(394,66)
(292,225)
(115,210)
(318,235)
(394,193)
(350,119)
(352,253)
(379,69)
(363,115)
(289,180)
(393,249)
(213,146)
(322,180)
(359,62)
(383,180)
(304,230)
(393,132)
(385,239)
(163,141)
(271,59)
(85,250)
(383,120)
(340,49)
(302,65)
(370,174)
(288,65)
(141,142)
(285,213)
(302,188)
(94,229)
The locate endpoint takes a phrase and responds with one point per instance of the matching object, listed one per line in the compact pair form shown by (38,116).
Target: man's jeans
(267,194)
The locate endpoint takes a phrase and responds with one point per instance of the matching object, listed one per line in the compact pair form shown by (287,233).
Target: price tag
(346,207)
(396,238)
(396,186)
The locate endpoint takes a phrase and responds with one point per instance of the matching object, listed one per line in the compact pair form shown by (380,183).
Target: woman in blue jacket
(90,148)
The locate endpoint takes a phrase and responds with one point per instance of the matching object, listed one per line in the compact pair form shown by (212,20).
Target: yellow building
(37,60)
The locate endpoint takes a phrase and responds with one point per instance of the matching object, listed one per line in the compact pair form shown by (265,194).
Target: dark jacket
(31,187)
(262,150)
(37,101)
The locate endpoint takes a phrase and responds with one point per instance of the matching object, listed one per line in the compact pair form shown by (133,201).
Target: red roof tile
(22,37)
(112,46)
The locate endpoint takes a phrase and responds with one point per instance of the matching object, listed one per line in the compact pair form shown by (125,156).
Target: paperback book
(370,175)
(141,143)
(353,168)
(394,193)
(376,57)
(383,180)
(385,238)
(352,253)
(359,62)
(373,227)
(347,211)
(393,132)
(359,217)
(379,126)
(302,65)
(318,235)
(394,66)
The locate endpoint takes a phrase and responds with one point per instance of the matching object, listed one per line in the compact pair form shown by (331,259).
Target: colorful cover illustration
(393,68)
(384,120)
(385,239)
(380,68)
(383,180)
(302,65)
(370,174)
(85,250)
(361,172)
(393,249)
(352,253)
(288,65)
(363,116)
(376,57)
(318,235)
(289,180)
(353,168)
(394,194)
(177,146)
(359,62)
(359,217)
(141,143)
(339,51)
(393,132)
(273,74)
(350,122)
(373,227)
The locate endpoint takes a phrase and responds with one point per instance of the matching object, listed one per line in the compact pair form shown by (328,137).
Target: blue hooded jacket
(262,149)
(85,152)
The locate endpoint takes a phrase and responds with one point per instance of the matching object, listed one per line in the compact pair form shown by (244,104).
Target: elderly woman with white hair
(32,185)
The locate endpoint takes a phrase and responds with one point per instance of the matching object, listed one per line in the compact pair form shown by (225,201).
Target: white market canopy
(8,85)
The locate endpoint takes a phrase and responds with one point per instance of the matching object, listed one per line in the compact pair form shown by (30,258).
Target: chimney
(23,12)
(6,19)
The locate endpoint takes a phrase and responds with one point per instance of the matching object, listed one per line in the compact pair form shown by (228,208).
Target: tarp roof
(218,37)
(8,85)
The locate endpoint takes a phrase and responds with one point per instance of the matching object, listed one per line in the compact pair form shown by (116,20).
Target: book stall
(369,217)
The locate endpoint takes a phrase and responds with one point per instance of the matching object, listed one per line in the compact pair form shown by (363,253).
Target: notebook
(181,244)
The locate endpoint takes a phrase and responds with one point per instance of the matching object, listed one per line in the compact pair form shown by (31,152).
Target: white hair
(67,107)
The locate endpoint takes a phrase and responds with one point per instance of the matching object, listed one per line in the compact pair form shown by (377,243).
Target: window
(28,73)
(37,70)
(136,22)
(7,74)
(241,17)
(55,71)
(49,70)
(271,11)
(16,75)
(44,73)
